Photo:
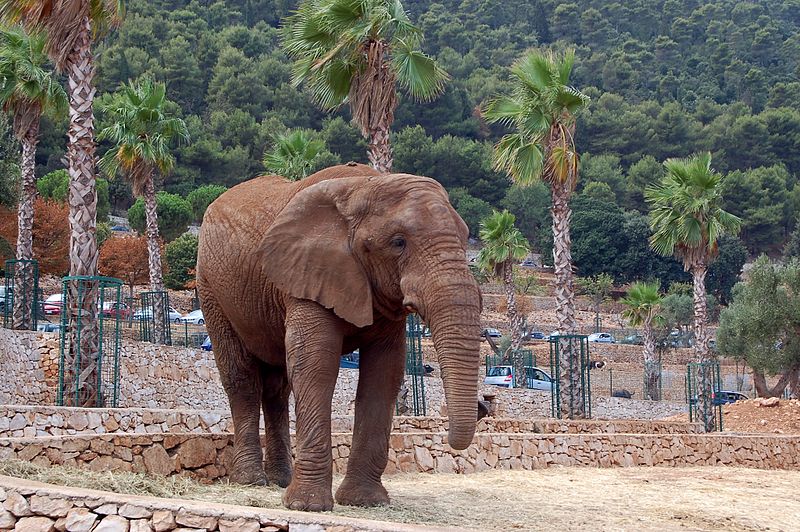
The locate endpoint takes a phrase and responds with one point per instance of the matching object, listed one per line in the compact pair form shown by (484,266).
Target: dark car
(724,397)
(536,335)
(494,333)
(350,360)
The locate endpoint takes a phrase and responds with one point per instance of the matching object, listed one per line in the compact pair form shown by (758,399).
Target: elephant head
(387,244)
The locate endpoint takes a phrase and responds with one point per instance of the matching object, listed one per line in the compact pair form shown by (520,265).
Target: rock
(49,507)
(141,525)
(112,523)
(195,521)
(239,525)
(163,520)
(302,527)
(770,402)
(35,524)
(18,422)
(134,512)
(17,505)
(7,520)
(61,524)
(157,461)
(197,452)
(423,458)
(77,421)
(2,495)
(106,509)
(80,520)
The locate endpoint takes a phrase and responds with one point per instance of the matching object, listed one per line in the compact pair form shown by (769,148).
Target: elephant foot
(366,494)
(279,475)
(248,475)
(307,498)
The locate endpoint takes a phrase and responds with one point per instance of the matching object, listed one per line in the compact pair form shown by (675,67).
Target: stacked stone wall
(22,421)
(206,456)
(154,376)
(33,506)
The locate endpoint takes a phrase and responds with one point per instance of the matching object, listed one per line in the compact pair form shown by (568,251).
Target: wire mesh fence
(89,347)
(20,295)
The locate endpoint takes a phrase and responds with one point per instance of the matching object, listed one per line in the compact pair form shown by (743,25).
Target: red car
(112,310)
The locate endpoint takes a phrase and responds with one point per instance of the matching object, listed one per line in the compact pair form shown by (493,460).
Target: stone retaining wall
(33,506)
(22,421)
(206,456)
(183,378)
(18,421)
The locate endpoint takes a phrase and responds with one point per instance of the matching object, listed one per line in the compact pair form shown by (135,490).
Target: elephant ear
(307,252)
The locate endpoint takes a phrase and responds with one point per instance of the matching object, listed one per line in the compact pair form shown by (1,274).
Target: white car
(195,316)
(504,376)
(603,338)
(147,314)
(53,304)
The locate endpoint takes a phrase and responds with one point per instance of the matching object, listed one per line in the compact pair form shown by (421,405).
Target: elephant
(291,275)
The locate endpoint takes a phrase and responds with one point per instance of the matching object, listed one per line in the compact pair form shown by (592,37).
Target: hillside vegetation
(666,78)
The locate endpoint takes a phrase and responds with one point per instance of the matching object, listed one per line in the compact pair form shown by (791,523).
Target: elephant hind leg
(242,380)
(275,403)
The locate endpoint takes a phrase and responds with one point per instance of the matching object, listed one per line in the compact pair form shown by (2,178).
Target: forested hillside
(666,78)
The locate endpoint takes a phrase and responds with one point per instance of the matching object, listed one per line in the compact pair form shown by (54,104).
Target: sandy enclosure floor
(562,499)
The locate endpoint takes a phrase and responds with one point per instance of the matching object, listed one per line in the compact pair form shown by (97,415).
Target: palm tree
(542,110)
(687,221)
(293,155)
(27,90)
(503,246)
(358,52)
(643,302)
(71,27)
(142,134)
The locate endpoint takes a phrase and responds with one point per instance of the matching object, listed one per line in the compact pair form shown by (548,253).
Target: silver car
(504,376)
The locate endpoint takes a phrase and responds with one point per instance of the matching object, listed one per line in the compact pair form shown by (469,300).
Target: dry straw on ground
(641,499)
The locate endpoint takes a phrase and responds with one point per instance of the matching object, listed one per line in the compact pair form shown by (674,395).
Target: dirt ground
(563,499)
(750,416)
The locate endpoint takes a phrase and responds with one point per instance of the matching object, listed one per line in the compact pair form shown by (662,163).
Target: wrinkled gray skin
(291,276)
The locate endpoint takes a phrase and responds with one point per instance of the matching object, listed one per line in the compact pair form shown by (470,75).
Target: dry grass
(641,499)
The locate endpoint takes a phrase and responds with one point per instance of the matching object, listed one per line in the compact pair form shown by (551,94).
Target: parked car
(528,263)
(147,314)
(350,360)
(3,297)
(601,337)
(206,345)
(53,304)
(46,326)
(634,339)
(195,316)
(120,228)
(112,310)
(504,376)
(551,336)
(536,335)
(494,333)
(724,397)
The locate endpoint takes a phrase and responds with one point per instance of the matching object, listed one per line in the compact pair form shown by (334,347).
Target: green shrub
(174,215)
(181,257)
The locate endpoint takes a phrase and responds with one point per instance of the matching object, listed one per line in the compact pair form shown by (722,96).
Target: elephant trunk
(454,319)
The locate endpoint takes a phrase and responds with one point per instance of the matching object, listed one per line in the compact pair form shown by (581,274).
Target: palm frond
(418,73)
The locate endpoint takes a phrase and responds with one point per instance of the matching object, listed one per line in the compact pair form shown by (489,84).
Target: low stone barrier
(23,421)
(18,421)
(205,456)
(33,506)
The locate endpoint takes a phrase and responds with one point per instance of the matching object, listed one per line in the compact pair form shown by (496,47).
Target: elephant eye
(399,242)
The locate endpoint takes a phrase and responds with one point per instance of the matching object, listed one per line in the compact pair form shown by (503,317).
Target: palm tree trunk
(379,150)
(651,373)
(571,392)
(373,98)
(699,270)
(81,302)
(24,290)
(516,327)
(154,262)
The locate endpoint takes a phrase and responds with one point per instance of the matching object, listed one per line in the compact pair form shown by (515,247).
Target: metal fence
(571,395)
(88,373)
(414,368)
(702,381)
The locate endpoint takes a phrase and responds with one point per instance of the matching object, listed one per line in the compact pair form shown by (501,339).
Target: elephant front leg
(381,368)
(313,346)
